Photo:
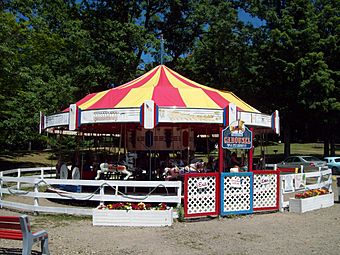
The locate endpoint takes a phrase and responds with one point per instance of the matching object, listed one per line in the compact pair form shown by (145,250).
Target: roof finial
(162,49)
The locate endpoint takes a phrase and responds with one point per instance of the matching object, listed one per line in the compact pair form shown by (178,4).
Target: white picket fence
(27,184)
(291,183)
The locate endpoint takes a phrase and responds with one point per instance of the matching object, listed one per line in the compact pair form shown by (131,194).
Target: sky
(246,17)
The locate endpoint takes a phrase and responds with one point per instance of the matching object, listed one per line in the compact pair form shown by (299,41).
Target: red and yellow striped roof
(166,88)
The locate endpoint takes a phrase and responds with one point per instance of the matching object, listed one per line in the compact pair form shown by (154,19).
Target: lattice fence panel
(266,190)
(201,194)
(236,193)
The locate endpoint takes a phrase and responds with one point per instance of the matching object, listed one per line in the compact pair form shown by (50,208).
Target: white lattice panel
(201,197)
(265,190)
(236,193)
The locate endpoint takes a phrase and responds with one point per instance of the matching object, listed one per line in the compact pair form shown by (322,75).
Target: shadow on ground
(14,251)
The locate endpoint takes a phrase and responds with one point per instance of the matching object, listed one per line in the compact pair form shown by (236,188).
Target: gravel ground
(266,233)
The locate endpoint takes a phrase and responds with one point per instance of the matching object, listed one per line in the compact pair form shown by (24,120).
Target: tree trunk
(286,139)
(332,143)
(326,147)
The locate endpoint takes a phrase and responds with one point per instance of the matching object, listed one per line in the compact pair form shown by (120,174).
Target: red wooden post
(220,153)
(250,153)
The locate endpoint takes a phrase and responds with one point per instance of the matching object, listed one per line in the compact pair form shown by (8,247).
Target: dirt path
(316,232)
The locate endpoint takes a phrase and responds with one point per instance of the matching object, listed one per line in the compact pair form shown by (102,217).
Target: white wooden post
(302,170)
(330,181)
(1,181)
(42,173)
(336,189)
(101,194)
(320,177)
(275,167)
(36,192)
(179,195)
(19,175)
(281,195)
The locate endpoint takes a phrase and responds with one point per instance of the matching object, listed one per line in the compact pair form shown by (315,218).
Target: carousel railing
(36,183)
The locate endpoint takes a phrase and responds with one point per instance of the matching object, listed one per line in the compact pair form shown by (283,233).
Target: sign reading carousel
(237,136)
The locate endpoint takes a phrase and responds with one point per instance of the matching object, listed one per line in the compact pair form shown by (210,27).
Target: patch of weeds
(234,216)
(63,217)
(180,212)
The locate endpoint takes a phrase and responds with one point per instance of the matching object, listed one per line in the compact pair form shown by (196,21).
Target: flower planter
(142,218)
(311,203)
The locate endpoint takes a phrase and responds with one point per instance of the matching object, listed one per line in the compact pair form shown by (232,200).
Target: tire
(335,170)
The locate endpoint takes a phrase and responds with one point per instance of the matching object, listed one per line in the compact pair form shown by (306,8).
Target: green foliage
(180,212)
(52,53)
(300,76)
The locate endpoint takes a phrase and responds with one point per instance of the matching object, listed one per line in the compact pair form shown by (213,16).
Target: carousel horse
(122,170)
(171,173)
(107,169)
(239,128)
(103,170)
(196,167)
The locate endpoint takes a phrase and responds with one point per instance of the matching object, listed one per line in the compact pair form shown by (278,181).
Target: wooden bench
(18,228)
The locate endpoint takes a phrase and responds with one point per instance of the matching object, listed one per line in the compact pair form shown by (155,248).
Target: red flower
(132,206)
(311,193)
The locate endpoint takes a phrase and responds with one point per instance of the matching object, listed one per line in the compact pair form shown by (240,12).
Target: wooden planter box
(143,218)
(311,203)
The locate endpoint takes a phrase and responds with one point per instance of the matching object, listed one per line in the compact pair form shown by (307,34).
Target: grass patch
(56,220)
(63,217)
(275,153)
(26,159)
(296,149)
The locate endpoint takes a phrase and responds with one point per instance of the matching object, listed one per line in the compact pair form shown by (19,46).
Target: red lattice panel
(266,190)
(201,194)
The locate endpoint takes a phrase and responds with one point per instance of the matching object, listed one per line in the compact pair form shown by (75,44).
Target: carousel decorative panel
(201,193)
(266,190)
(236,193)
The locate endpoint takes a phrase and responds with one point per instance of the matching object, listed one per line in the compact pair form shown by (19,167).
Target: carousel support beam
(120,141)
(220,153)
(125,140)
(207,141)
(250,153)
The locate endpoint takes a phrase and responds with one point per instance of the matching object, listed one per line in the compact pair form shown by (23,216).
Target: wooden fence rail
(101,191)
(291,183)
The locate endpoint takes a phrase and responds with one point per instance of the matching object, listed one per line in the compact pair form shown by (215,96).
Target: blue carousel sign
(237,136)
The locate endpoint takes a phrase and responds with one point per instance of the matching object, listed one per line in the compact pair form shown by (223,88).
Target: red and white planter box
(140,218)
(311,203)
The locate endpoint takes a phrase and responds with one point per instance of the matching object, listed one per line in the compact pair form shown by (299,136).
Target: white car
(334,164)
(298,161)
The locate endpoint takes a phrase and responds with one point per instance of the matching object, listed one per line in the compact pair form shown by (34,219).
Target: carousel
(157,119)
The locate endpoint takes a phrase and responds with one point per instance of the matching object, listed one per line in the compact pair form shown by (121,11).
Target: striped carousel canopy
(167,89)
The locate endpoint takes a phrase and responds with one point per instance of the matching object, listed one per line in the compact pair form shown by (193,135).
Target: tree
(297,75)
(225,54)
(329,29)
(41,74)
(12,37)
